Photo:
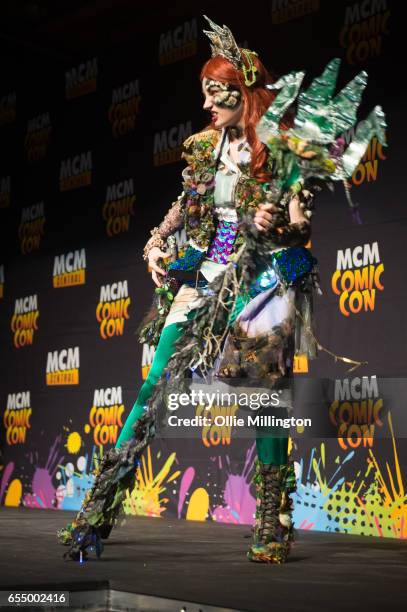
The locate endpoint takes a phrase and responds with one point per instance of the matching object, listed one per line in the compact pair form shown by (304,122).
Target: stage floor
(205,563)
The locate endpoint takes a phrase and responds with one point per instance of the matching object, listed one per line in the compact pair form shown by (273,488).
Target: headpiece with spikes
(224,44)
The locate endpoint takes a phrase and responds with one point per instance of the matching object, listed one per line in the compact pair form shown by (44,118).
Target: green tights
(163,352)
(269,449)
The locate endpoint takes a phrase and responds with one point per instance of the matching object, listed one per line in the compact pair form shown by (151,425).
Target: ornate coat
(251,313)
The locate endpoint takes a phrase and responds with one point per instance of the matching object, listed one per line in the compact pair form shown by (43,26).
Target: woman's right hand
(153,256)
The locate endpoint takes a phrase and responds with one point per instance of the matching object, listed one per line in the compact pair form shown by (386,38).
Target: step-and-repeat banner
(90,162)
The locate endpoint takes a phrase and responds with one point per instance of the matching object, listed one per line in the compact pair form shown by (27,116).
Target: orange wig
(256,100)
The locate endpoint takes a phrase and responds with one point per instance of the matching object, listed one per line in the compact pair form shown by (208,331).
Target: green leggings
(269,449)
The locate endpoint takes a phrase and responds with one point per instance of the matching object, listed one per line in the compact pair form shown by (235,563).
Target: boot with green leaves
(273,530)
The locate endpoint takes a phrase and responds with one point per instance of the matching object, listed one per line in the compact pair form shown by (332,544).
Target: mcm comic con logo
(167,147)
(76,171)
(365,25)
(355,411)
(357,278)
(118,207)
(31,228)
(16,418)
(367,170)
(37,138)
(106,415)
(212,433)
(178,43)
(24,321)
(124,108)
(81,80)
(63,367)
(113,309)
(69,269)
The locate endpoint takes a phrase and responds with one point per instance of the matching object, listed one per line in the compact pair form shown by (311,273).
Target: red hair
(256,99)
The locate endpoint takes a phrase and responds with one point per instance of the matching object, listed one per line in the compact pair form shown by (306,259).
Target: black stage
(161,564)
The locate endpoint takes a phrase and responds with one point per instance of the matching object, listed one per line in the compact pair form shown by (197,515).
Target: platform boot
(96,518)
(103,501)
(273,530)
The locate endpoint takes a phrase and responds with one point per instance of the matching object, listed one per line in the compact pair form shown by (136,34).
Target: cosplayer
(237,305)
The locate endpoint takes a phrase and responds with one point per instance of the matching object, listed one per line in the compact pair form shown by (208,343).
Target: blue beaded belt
(189,261)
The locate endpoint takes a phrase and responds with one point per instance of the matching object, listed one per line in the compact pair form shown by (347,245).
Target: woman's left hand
(263,217)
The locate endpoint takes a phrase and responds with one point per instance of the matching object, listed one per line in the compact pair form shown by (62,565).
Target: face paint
(227,97)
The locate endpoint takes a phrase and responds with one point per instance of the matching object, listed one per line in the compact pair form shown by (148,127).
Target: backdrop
(90,162)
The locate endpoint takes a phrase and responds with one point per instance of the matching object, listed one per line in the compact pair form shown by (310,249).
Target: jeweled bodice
(225,214)
(222,244)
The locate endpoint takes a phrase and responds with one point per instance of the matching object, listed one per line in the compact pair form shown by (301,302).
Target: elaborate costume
(238,303)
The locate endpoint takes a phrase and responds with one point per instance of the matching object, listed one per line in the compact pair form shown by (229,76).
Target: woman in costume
(238,303)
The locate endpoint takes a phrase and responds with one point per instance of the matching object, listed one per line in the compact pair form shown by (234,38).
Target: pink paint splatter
(43,491)
(186,481)
(240,503)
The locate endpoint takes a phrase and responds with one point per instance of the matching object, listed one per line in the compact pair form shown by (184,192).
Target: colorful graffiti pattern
(371,502)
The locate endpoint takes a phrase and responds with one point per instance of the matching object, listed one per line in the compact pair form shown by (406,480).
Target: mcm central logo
(124,108)
(5,191)
(118,207)
(69,269)
(8,108)
(113,309)
(179,43)
(63,367)
(287,10)
(365,24)
(106,415)
(16,418)
(1,281)
(76,172)
(31,228)
(37,137)
(357,276)
(168,143)
(81,79)
(24,321)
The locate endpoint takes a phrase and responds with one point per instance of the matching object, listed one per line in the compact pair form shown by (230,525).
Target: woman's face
(223,101)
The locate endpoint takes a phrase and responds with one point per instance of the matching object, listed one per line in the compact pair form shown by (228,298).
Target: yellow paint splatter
(371,504)
(14,493)
(198,505)
(86,428)
(145,499)
(73,443)
(393,496)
